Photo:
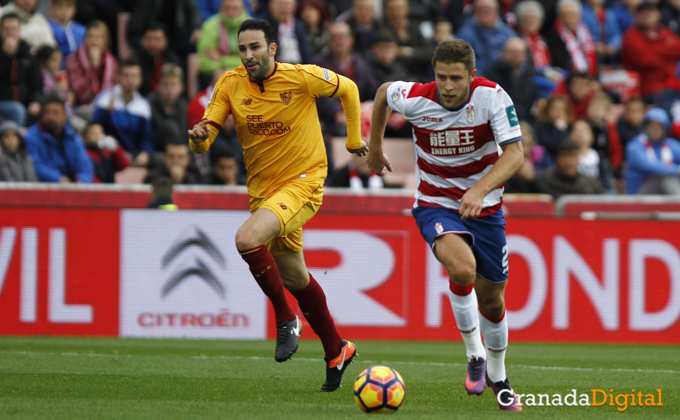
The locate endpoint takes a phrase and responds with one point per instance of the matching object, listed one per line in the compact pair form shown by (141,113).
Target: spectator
(570,41)
(415,53)
(20,78)
(487,34)
(670,101)
(530,15)
(126,115)
(524,181)
(161,194)
(653,159)
(68,34)
(314,15)
(579,89)
(107,11)
(153,54)
(54,79)
(15,164)
(57,151)
(291,35)
(35,29)
(106,155)
(210,8)
(218,44)
(176,165)
(225,170)
(341,59)
(564,177)
(606,139)
(181,19)
(651,50)
(443,30)
(604,28)
(588,159)
(363,23)
(383,59)
(515,74)
(670,16)
(629,124)
(357,176)
(92,68)
(553,123)
(624,10)
(168,107)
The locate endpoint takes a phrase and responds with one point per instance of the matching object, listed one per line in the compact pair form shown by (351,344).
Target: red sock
(312,301)
(263,268)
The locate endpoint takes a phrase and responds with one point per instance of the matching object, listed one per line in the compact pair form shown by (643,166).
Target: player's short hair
(11,15)
(172,70)
(455,51)
(259,25)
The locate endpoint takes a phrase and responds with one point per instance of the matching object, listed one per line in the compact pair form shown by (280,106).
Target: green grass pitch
(73,378)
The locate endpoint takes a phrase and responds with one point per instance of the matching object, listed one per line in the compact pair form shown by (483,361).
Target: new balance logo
(246,102)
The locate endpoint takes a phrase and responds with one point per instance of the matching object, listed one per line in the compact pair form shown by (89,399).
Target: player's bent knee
(245,240)
(491,306)
(462,273)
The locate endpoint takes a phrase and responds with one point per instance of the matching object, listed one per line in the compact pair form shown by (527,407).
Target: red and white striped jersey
(456,148)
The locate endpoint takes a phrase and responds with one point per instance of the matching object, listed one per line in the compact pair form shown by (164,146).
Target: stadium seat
(124,50)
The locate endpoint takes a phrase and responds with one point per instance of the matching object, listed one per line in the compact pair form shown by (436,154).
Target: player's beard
(260,73)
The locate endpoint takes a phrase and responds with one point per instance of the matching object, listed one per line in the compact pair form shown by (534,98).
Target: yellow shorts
(294,204)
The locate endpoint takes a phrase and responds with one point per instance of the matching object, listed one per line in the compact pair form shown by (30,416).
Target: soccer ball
(379,389)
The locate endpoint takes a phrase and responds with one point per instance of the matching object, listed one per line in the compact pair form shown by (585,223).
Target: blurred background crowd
(104,90)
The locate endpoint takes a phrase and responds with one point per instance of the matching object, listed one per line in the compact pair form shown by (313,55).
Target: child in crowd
(553,124)
(54,79)
(606,139)
(15,164)
(588,159)
(106,155)
(629,124)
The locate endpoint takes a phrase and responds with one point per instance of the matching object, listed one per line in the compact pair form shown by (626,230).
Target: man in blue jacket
(653,158)
(57,151)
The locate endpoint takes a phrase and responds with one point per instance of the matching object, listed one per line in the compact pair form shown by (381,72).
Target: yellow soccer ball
(379,389)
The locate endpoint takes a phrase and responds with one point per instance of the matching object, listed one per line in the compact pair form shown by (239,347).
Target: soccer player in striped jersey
(274,110)
(459,124)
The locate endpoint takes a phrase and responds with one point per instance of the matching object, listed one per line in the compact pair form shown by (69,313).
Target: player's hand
(200,132)
(471,204)
(362,151)
(379,163)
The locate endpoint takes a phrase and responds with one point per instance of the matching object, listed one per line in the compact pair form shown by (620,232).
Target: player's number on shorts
(505,258)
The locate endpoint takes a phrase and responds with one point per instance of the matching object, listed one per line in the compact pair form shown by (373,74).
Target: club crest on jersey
(470,114)
(439,228)
(286,97)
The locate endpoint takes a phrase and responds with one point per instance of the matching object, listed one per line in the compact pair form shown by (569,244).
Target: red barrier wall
(570,280)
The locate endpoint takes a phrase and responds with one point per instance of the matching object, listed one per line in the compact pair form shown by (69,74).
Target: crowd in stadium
(85,94)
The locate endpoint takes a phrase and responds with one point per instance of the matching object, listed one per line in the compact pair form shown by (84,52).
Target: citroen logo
(199,268)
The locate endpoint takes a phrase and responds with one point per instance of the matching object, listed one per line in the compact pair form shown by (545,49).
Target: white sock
(467,320)
(496,342)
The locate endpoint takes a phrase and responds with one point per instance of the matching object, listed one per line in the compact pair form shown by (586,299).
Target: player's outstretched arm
(506,165)
(351,106)
(377,160)
(199,137)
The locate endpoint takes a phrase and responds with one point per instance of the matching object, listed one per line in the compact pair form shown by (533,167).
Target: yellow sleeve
(216,114)
(323,82)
